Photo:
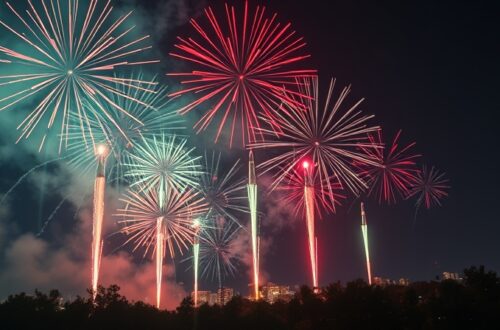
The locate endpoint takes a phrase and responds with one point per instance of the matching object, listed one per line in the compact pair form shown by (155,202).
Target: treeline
(473,303)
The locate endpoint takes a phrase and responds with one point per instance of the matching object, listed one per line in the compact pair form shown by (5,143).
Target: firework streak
(98,217)
(309,208)
(364,230)
(252,200)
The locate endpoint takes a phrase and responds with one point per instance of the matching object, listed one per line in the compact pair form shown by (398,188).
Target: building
(404,281)
(380,281)
(452,276)
(224,295)
(212,300)
(272,292)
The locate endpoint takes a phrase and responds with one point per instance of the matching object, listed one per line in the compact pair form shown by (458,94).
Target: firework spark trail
(159,259)
(154,115)
(364,230)
(160,223)
(63,55)
(332,138)
(241,69)
(196,258)
(98,217)
(310,205)
(252,201)
(24,176)
(397,172)
(310,198)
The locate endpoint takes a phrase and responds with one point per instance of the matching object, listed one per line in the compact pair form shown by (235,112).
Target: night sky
(428,68)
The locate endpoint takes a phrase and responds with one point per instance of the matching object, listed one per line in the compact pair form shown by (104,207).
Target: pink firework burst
(242,66)
(397,172)
(430,188)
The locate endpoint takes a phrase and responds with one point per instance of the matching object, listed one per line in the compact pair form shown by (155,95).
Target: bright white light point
(196,223)
(70,72)
(305,164)
(102,149)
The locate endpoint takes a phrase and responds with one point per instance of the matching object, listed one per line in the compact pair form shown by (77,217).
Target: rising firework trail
(364,231)
(310,205)
(98,215)
(161,225)
(196,257)
(241,65)
(65,52)
(252,201)
(331,137)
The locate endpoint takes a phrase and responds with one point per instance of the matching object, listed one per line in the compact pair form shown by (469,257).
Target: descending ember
(63,55)
(397,172)
(430,188)
(333,138)
(241,69)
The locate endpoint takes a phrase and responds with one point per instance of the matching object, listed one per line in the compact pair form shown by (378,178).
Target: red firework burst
(243,67)
(430,188)
(397,172)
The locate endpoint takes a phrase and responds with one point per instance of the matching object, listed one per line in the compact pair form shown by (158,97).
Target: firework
(310,197)
(154,114)
(163,163)
(61,55)
(241,69)
(332,138)
(218,251)
(252,202)
(161,224)
(364,231)
(430,188)
(196,257)
(397,172)
(98,216)
(223,190)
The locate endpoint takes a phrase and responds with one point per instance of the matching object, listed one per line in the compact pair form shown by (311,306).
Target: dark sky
(429,68)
